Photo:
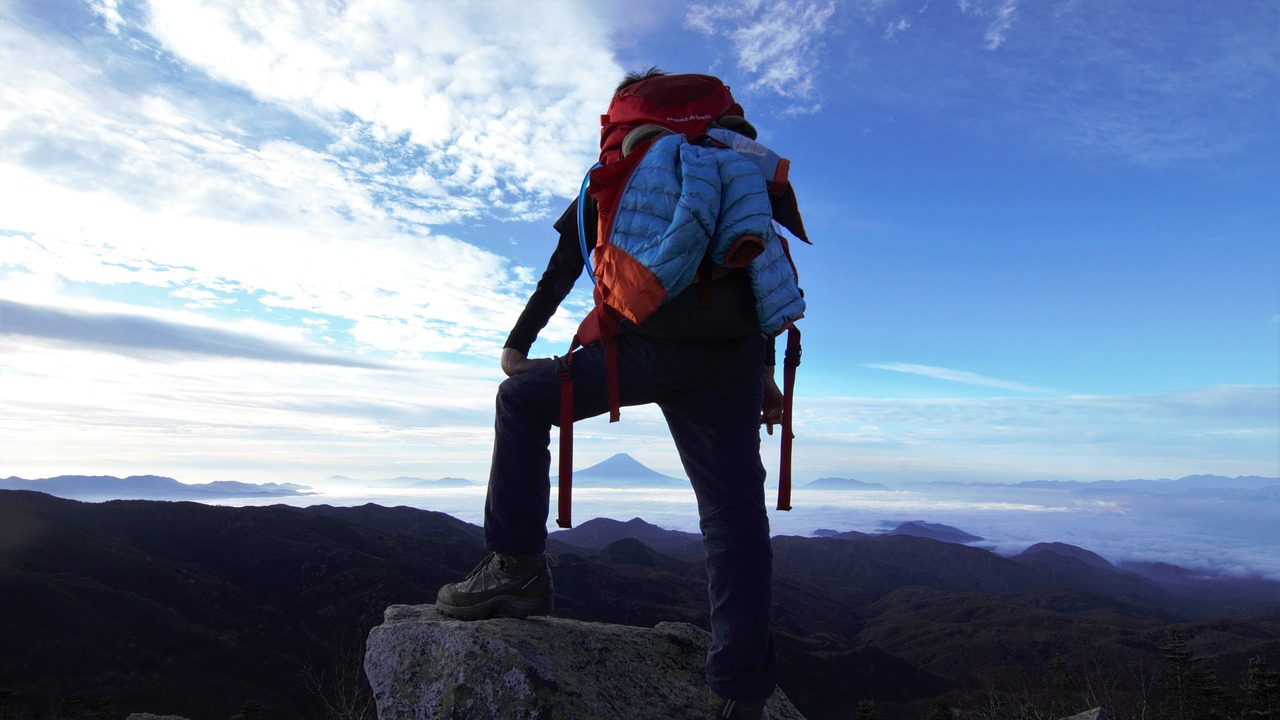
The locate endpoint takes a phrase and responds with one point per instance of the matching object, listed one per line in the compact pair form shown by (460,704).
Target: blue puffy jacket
(686,201)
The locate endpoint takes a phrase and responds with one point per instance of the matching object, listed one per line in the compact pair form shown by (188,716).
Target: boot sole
(501,606)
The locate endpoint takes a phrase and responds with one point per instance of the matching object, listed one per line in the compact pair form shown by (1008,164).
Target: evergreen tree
(73,706)
(250,710)
(1212,699)
(1192,692)
(107,707)
(1261,691)
(939,710)
(867,710)
(10,706)
(1178,680)
(1061,686)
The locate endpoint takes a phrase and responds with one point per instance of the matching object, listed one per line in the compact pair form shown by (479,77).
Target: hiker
(703,359)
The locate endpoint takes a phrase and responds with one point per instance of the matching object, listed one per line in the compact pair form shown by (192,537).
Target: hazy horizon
(1186,525)
(1235,538)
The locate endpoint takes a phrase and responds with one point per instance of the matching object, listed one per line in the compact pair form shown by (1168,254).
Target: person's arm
(771,407)
(562,272)
(771,413)
(515,361)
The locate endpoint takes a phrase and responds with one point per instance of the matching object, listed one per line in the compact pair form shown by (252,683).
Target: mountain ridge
(147,487)
(935,531)
(838,483)
(192,609)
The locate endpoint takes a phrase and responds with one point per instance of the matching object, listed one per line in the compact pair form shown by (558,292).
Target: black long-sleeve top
(730,312)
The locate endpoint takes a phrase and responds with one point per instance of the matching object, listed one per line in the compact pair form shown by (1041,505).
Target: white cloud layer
(371,125)
(194,417)
(492,99)
(779,42)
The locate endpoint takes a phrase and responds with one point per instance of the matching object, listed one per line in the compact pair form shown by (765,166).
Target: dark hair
(636,76)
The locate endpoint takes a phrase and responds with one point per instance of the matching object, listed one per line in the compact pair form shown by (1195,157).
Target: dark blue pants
(710,393)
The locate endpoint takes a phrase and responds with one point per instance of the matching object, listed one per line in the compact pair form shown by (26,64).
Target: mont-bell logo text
(689,118)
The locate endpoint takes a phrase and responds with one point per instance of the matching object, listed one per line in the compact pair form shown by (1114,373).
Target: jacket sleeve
(563,269)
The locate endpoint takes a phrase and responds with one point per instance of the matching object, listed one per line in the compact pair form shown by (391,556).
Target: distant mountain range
(1191,484)
(191,609)
(149,487)
(619,471)
(834,483)
(405,482)
(1190,481)
(623,471)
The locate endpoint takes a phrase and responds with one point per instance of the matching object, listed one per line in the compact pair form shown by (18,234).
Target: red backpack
(624,288)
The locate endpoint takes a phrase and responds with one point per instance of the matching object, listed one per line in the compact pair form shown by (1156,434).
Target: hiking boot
(722,709)
(501,585)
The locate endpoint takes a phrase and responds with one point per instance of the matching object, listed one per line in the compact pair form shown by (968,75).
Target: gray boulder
(423,666)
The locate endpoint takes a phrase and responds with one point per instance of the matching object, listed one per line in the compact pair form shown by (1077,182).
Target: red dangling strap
(564,371)
(611,379)
(791,360)
(596,327)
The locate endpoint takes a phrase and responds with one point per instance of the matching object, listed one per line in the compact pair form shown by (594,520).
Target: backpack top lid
(685,104)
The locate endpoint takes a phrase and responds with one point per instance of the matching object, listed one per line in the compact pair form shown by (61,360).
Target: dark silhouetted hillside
(595,535)
(182,608)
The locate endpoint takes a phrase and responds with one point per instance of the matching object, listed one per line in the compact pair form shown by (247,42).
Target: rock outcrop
(423,665)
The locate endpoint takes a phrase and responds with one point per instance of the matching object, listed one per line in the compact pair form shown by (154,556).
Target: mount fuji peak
(622,470)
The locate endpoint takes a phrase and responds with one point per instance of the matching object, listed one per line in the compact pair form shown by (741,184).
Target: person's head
(626,130)
(737,124)
(636,76)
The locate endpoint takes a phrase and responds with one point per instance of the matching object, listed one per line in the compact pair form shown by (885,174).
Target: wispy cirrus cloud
(489,107)
(135,334)
(1001,14)
(109,11)
(1146,87)
(1004,13)
(780,43)
(957,376)
(995,17)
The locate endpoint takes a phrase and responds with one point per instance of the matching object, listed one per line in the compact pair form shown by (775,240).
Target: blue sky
(272,241)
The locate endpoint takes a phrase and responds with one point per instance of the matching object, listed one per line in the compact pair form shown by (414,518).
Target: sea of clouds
(1231,533)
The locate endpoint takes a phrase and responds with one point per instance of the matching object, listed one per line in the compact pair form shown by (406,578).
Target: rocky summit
(423,665)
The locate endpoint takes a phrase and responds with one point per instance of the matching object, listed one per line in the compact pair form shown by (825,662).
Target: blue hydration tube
(582,230)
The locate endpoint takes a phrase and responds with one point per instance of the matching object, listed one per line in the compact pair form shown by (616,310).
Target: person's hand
(515,362)
(771,411)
